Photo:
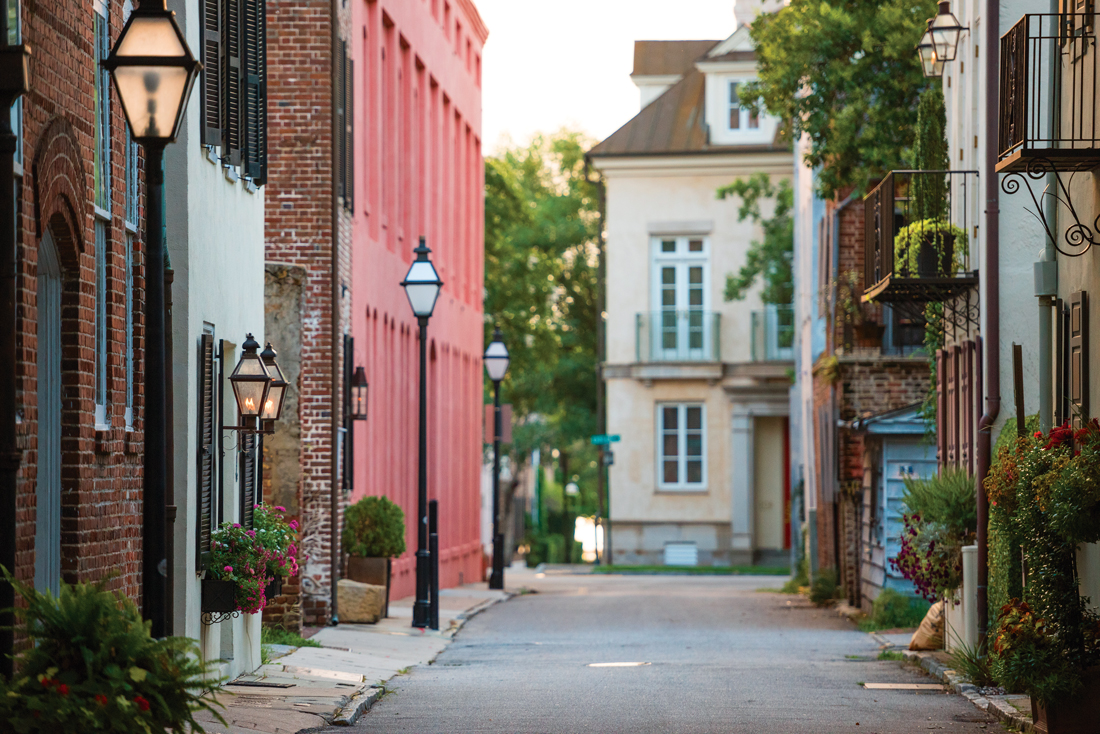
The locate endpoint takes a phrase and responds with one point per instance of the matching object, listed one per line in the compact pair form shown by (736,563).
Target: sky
(550,64)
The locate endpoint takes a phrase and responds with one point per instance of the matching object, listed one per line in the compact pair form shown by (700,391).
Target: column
(741,490)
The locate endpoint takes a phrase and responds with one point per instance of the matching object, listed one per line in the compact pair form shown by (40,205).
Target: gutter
(992,331)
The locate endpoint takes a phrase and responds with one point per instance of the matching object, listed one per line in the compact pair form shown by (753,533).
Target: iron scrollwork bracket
(209,618)
(1078,235)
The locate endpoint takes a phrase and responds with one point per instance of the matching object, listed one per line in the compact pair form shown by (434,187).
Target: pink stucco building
(416,122)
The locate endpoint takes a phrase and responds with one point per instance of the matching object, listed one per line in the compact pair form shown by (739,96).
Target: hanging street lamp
(496,365)
(153,71)
(276,393)
(359,388)
(422,285)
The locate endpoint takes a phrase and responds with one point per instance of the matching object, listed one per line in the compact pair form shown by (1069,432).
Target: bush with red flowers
(93,667)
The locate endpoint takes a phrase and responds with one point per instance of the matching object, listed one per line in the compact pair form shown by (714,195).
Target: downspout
(991,306)
(1046,280)
(337,381)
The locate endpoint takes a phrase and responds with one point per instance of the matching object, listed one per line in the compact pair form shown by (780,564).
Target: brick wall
(101,471)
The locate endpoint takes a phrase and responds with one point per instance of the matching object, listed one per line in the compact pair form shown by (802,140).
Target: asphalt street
(720,656)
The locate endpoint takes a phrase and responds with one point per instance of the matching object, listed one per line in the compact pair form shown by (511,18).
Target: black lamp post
(422,286)
(496,365)
(154,71)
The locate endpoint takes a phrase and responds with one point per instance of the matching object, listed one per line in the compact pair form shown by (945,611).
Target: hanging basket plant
(929,248)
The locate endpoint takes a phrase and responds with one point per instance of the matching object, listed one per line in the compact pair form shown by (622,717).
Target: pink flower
(293,524)
(251,533)
(228,569)
(280,508)
(236,524)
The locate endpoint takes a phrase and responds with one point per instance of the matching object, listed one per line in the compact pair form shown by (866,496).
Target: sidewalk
(308,687)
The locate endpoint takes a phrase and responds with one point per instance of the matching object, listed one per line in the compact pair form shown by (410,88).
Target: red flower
(101,699)
(63,689)
(1038,434)
(142,703)
(46,682)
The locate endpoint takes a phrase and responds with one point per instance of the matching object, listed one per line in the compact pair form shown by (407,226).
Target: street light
(422,286)
(276,393)
(496,365)
(154,70)
(359,388)
(945,30)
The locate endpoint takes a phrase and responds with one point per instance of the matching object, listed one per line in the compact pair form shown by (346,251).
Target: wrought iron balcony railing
(1048,94)
(919,230)
(678,336)
(773,334)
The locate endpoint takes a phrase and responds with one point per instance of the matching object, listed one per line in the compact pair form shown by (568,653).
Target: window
(13,25)
(681,296)
(102,113)
(131,210)
(129,278)
(681,447)
(234,83)
(741,117)
(101,419)
(345,122)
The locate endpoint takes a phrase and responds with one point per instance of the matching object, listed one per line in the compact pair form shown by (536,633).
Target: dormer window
(740,117)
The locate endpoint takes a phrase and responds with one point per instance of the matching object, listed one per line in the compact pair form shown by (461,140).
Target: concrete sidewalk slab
(307,687)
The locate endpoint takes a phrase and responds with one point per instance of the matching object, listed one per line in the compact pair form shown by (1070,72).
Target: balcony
(919,230)
(1047,57)
(678,336)
(773,334)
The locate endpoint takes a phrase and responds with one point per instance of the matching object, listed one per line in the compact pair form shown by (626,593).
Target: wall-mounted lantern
(359,389)
(926,49)
(940,42)
(276,394)
(251,382)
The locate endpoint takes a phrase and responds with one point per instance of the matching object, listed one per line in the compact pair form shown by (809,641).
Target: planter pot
(219,596)
(274,588)
(933,262)
(1075,716)
(375,571)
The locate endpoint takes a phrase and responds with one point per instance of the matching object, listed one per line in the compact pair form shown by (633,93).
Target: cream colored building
(697,387)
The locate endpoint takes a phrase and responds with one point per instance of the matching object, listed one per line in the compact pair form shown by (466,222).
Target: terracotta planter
(375,571)
(219,596)
(1076,716)
(274,588)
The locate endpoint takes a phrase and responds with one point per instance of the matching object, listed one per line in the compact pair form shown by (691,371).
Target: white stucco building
(697,387)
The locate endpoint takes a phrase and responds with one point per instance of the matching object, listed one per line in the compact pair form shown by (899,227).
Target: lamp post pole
(496,579)
(154,562)
(422,608)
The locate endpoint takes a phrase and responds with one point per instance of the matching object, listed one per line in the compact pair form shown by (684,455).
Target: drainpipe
(337,362)
(991,276)
(1046,281)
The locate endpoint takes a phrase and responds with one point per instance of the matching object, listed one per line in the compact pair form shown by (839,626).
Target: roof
(904,420)
(661,58)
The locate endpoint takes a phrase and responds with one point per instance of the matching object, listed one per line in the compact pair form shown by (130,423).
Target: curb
(996,706)
(359,703)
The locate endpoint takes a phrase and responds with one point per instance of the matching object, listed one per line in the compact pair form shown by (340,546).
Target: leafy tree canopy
(770,258)
(541,286)
(844,73)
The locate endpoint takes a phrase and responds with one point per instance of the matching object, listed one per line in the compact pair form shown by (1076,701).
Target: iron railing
(919,230)
(1048,92)
(687,335)
(773,334)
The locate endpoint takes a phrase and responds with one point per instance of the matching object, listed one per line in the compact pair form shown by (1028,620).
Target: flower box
(219,596)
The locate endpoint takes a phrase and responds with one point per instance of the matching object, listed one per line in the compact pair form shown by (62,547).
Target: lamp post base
(496,578)
(422,608)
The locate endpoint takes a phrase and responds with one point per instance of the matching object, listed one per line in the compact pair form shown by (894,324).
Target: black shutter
(339,103)
(248,478)
(349,425)
(349,132)
(231,82)
(254,46)
(211,73)
(205,522)
(1079,358)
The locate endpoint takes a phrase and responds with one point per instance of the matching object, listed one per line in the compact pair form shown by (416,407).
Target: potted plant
(238,564)
(278,537)
(927,249)
(374,533)
(93,666)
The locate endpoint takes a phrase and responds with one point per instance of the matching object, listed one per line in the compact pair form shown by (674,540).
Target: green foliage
(374,527)
(973,664)
(279,636)
(545,549)
(824,588)
(770,258)
(933,340)
(93,667)
(1028,658)
(936,233)
(894,610)
(846,75)
(928,198)
(891,655)
(541,287)
(948,498)
(236,556)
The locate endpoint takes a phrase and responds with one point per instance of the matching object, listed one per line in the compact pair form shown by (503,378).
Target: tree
(846,75)
(770,258)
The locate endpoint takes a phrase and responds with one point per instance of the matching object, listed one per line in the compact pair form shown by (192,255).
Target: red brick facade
(101,470)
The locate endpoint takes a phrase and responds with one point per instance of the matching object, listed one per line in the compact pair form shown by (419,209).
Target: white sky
(555,63)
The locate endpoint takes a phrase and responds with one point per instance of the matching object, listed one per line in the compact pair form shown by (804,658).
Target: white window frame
(681,432)
(682,258)
(746,120)
(128,277)
(102,384)
(102,138)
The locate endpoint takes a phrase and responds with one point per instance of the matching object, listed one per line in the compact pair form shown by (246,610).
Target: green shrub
(279,636)
(892,609)
(545,549)
(824,587)
(374,527)
(947,498)
(94,667)
(973,664)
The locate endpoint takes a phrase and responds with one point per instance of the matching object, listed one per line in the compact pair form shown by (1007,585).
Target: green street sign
(604,440)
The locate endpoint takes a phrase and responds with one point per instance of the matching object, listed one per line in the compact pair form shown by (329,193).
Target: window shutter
(349,369)
(941,407)
(952,420)
(349,132)
(1079,358)
(211,73)
(248,479)
(254,46)
(231,82)
(206,447)
(339,158)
